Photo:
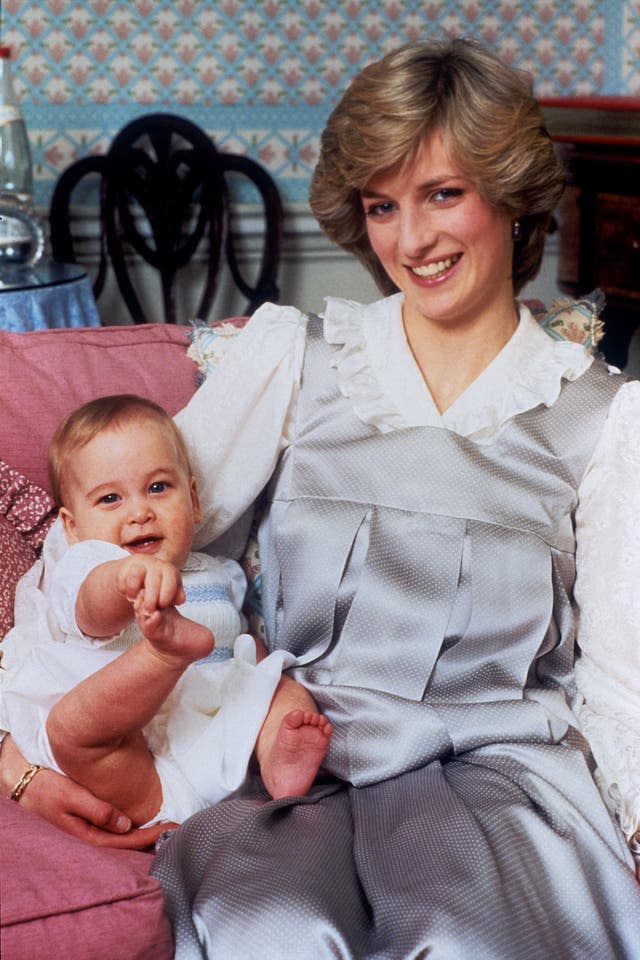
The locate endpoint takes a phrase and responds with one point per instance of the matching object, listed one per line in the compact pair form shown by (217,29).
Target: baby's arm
(105,601)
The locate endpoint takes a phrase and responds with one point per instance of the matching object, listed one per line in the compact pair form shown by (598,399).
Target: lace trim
(344,327)
(528,371)
(531,369)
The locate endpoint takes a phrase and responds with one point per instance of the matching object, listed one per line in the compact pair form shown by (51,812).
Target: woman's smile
(440,241)
(437,269)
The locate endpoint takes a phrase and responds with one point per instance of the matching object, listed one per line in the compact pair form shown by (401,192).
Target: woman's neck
(450,358)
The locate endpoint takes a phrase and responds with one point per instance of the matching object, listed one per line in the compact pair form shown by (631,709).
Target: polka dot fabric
(425,585)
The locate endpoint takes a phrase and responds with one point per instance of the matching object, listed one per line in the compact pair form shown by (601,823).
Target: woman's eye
(379,209)
(446,193)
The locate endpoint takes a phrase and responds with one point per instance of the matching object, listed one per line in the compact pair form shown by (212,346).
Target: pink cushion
(62,897)
(26,513)
(46,373)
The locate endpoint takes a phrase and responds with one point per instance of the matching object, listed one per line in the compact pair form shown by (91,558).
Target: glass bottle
(20,234)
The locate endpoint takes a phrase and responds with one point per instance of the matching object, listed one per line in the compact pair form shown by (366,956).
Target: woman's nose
(417,233)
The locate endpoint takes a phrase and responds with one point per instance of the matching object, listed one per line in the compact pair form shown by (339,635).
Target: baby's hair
(86,422)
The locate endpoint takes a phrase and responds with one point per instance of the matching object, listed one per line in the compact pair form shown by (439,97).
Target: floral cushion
(209,343)
(576,320)
(26,513)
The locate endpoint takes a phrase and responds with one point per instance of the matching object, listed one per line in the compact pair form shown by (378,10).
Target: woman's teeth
(433,269)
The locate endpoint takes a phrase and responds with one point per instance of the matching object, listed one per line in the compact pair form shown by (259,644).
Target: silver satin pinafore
(424,583)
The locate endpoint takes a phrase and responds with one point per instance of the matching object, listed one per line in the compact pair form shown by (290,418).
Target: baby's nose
(140,511)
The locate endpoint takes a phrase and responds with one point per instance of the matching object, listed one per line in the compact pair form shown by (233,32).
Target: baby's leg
(296,754)
(293,741)
(95,730)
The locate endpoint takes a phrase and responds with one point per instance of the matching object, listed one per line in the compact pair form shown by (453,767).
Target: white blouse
(240,419)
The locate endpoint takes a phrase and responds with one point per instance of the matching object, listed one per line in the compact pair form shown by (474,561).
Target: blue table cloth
(45,296)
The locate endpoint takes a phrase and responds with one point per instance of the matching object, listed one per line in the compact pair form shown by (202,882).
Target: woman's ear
(68,525)
(195,500)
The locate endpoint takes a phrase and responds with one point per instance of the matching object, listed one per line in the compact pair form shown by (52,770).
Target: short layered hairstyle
(491,125)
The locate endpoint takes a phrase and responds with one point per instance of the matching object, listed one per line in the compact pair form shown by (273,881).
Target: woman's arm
(70,807)
(236,424)
(608,597)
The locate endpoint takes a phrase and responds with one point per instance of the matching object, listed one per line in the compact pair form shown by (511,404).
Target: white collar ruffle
(377,372)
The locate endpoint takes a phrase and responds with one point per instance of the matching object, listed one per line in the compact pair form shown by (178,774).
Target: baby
(138,701)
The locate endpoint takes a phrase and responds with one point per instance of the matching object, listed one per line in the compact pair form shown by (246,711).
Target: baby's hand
(149,584)
(154,588)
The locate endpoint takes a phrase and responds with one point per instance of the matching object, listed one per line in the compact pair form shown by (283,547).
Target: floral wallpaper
(261,76)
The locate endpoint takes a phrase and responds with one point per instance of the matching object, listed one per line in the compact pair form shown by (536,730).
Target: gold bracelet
(24,781)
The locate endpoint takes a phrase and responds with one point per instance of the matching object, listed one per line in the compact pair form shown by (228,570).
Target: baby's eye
(158,486)
(109,498)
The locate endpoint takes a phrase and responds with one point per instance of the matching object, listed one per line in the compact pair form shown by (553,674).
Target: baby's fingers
(162,587)
(131,581)
(170,590)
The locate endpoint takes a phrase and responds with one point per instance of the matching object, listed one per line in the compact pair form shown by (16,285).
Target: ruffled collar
(377,372)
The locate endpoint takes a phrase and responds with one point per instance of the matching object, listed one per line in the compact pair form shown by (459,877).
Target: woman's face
(440,241)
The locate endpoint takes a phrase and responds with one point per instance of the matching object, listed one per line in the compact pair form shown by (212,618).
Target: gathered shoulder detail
(345,326)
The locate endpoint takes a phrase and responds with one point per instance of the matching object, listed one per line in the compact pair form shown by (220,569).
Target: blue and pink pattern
(262,76)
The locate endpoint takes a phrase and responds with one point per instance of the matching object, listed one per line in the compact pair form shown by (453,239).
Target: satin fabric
(425,585)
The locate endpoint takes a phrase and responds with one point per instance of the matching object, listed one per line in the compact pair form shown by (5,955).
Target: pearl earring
(515,230)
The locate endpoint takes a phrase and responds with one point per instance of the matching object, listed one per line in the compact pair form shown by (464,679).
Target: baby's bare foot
(174,638)
(291,765)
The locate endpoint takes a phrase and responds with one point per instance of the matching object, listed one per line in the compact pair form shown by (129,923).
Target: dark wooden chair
(164,192)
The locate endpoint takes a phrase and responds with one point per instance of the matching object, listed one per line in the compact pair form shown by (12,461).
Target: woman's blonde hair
(87,421)
(492,128)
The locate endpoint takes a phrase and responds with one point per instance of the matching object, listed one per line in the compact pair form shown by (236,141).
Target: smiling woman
(491,129)
(450,252)
(439,460)
(435,469)
(444,191)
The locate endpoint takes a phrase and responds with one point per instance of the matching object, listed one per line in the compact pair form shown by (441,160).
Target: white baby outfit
(203,736)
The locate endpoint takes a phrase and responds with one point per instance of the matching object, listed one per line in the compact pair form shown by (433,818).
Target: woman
(425,458)
(418,555)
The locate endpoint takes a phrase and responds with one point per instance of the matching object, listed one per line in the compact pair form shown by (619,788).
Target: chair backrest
(164,194)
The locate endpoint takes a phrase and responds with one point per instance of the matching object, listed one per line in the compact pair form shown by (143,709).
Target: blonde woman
(425,459)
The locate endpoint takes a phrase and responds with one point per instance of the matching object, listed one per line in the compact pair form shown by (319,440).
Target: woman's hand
(73,808)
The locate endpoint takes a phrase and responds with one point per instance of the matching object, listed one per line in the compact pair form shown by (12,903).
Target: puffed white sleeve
(608,598)
(238,421)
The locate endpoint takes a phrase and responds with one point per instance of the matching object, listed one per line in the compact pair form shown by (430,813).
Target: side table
(46,296)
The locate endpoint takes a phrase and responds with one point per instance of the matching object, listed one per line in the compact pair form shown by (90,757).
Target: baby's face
(128,487)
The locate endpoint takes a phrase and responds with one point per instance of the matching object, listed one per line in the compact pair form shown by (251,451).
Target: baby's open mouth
(141,542)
